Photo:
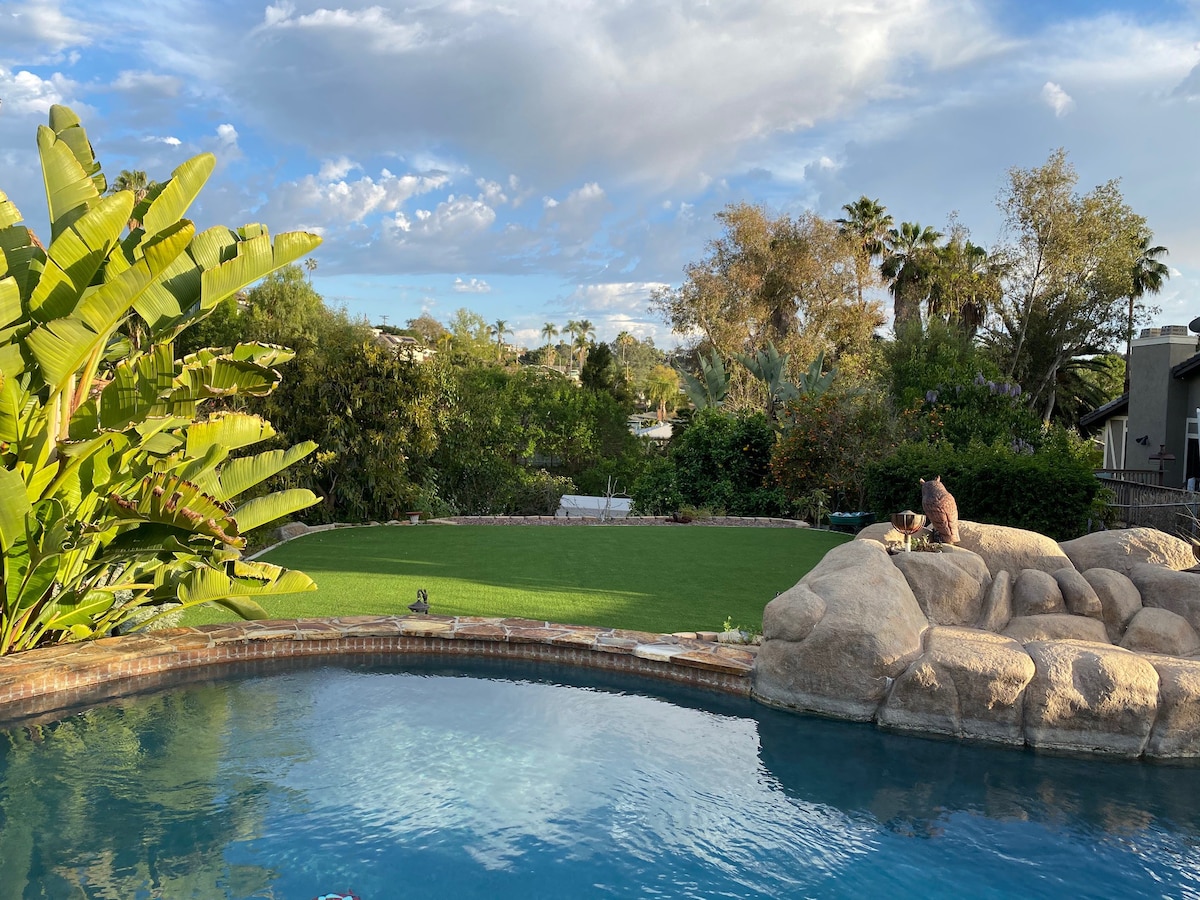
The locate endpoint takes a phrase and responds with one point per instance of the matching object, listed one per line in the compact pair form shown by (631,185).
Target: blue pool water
(496,781)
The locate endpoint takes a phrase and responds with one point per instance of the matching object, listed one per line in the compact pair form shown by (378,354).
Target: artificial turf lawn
(657,579)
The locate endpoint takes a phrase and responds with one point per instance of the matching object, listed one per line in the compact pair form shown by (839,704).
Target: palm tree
(137,183)
(549,332)
(909,256)
(866,223)
(624,341)
(1148,276)
(311,265)
(584,332)
(964,282)
(662,389)
(498,329)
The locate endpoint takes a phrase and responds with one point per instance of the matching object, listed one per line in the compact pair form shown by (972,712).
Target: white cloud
(227,135)
(36,27)
(1057,99)
(626,91)
(337,201)
(336,169)
(147,82)
(374,25)
(24,92)
(168,140)
(474,286)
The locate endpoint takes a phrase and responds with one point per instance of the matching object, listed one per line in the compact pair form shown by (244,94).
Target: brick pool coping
(56,678)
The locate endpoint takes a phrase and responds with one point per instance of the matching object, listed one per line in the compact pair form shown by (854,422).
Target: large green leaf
(239,475)
(61,347)
(274,506)
(23,257)
(173,201)
(70,191)
(76,254)
(231,430)
(9,214)
(169,500)
(207,584)
(14,505)
(34,584)
(10,301)
(62,615)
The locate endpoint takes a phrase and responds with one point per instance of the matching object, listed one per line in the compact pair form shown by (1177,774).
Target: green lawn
(658,579)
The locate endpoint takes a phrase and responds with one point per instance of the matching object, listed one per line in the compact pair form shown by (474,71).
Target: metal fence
(1167,509)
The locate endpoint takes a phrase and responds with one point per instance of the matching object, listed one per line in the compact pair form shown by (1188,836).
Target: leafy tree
(1069,271)
(723,463)
(662,388)
(792,282)
(601,373)
(469,337)
(376,416)
(285,309)
(428,329)
(118,496)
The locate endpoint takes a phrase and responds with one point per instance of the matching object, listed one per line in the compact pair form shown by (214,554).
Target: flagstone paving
(64,676)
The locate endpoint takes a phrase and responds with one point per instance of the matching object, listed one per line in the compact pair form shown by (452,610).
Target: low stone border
(65,676)
(733,521)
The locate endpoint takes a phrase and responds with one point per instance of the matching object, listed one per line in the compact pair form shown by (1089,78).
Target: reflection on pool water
(496,780)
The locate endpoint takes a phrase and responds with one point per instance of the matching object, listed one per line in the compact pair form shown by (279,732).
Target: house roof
(1189,368)
(1102,414)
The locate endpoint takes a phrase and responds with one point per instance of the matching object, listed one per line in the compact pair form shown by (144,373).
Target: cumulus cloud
(168,140)
(336,169)
(564,90)
(474,286)
(26,93)
(328,197)
(1057,99)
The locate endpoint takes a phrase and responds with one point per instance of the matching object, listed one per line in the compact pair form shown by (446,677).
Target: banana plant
(121,494)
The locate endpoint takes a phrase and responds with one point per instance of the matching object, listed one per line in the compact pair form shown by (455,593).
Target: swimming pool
(498,779)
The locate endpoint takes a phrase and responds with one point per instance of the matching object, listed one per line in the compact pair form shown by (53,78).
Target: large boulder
(1036,593)
(1155,630)
(1177,728)
(1079,596)
(948,586)
(1011,549)
(1122,549)
(1089,698)
(1056,627)
(967,684)
(868,633)
(1119,599)
(997,605)
(1177,591)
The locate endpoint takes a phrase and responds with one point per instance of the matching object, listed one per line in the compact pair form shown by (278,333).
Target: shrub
(1051,491)
(827,444)
(724,462)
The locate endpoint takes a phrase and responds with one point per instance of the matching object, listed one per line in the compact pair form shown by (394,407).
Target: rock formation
(1001,639)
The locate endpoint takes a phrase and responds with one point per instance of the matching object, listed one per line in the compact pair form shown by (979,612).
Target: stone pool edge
(66,676)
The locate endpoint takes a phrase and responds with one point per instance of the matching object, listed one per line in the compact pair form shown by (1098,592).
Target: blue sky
(545,160)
